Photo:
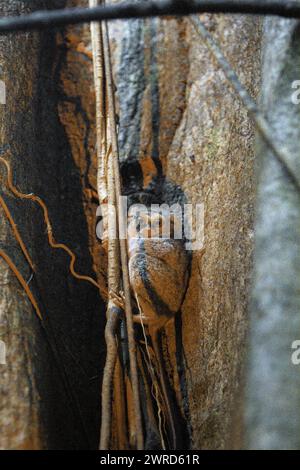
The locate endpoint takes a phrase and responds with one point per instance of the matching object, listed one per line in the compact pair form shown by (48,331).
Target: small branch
(48,19)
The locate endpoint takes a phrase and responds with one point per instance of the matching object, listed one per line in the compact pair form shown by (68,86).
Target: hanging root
(109,190)
(120,404)
(122,243)
(106,194)
(51,239)
(99,82)
(113,317)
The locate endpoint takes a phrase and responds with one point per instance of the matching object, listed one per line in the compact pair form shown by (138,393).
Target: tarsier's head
(158,263)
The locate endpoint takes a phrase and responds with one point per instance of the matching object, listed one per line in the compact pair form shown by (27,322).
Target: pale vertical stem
(123,245)
(99,81)
(120,406)
(111,325)
(110,363)
(105,186)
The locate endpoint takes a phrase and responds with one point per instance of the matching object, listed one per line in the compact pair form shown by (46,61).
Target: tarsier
(158,269)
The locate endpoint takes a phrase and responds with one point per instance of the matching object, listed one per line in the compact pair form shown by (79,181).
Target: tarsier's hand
(158,266)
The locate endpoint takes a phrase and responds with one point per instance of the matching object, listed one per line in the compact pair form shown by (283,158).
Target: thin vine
(51,239)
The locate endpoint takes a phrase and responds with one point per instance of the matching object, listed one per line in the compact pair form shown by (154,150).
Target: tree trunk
(183,129)
(273,382)
(50,385)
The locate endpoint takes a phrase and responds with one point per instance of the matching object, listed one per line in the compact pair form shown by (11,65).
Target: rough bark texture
(36,410)
(273,389)
(181,121)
